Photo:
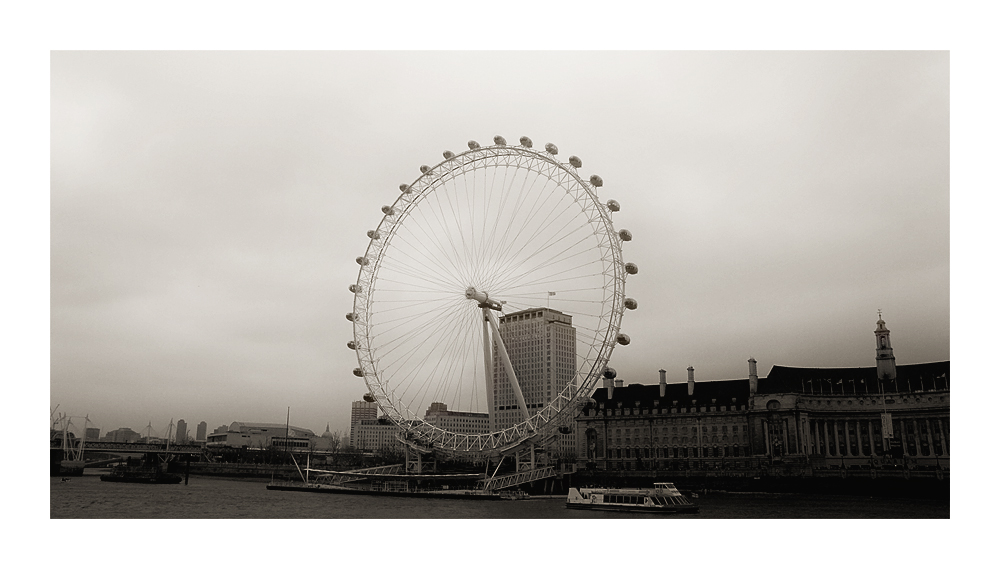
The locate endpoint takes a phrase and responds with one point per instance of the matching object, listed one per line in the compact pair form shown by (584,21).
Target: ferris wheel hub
(483,299)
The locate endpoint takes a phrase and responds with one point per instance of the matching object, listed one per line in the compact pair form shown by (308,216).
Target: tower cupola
(885,362)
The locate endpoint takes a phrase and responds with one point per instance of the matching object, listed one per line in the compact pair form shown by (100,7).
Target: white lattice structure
(496,229)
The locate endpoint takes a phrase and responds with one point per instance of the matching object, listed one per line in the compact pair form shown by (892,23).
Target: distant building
(651,427)
(220,429)
(202,430)
(261,436)
(122,435)
(798,419)
(372,435)
(181,436)
(457,421)
(361,411)
(541,344)
(856,417)
(92,434)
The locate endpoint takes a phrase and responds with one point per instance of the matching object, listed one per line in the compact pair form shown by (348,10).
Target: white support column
(506,362)
(488,363)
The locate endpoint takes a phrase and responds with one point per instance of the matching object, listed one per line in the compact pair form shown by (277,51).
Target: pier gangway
(515,479)
(331,477)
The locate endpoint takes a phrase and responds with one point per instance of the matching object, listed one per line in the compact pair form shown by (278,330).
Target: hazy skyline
(207,207)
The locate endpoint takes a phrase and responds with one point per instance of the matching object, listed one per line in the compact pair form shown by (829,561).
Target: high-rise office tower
(182,429)
(202,433)
(361,411)
(541,343)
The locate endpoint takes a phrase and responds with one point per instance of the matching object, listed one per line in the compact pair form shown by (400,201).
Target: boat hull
(663,498)
(143,479)
(636,509)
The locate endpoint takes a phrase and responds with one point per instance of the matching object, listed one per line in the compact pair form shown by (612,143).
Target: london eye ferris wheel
(482,236)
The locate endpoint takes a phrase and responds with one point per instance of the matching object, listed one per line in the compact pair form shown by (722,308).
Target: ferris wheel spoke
(502,241)
(503,212)
(452,218)
(419,273)
(401,328)
(431,244)
(521,258)
(436,368)
(521,236)
(486,215)
(577,237)
(422,347)
(530,271)
(432,226)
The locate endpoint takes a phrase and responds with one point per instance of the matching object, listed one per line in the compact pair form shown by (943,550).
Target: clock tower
(885,362)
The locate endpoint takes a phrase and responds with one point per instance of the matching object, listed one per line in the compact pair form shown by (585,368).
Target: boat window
(607,498)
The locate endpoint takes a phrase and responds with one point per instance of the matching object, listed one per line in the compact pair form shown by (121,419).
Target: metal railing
(523,477)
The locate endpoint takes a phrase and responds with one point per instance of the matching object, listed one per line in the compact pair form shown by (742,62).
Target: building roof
(237,426)
(910,377)
(723,391)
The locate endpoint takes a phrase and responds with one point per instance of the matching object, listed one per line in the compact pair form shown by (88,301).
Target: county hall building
(801,420)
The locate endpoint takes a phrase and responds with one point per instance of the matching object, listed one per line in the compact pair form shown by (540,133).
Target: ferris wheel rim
(411,196)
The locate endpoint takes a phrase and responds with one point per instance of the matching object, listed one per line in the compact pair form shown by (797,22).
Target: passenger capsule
(575,162)
(369,397)
(631,304)
(355,288)
(499,140)
(596,181)
(352,345)
(525,142)
(373,234)
(625,234)
(631,268)
(448,154)
(387,209)
(551,148)
(362,261)
(623,339)
(610,373)
(473,145)
(424,169)
(358,372)
(405,188)
(350,316)
(613,205)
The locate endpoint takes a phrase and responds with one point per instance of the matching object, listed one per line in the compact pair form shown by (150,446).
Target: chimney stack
(618,383)
(663,383)
(753,375)
(690,380)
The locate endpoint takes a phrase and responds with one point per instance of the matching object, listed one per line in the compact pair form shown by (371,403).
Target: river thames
(208,497)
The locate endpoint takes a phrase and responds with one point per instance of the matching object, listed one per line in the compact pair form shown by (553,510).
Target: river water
(211,497)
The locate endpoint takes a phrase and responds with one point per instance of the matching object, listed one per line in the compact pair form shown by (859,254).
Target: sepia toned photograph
(590,285)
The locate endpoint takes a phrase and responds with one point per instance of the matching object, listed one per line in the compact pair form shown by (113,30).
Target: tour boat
(142,473)
(662,498)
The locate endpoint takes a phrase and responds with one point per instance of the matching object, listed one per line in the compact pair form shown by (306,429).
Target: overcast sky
(207,208)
